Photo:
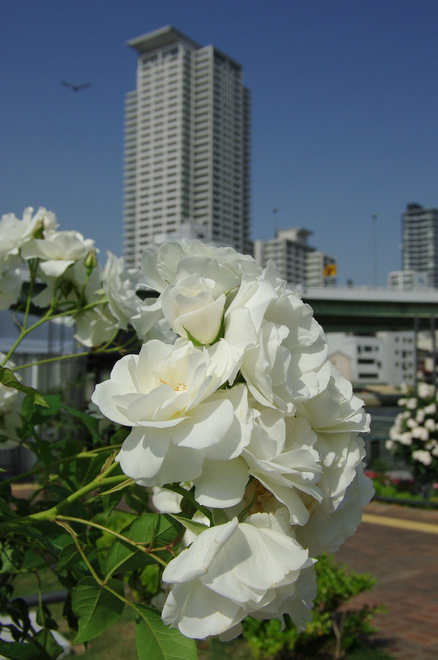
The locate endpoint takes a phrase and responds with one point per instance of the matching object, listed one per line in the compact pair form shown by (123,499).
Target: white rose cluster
(414,434)
(234,399)
(64,265)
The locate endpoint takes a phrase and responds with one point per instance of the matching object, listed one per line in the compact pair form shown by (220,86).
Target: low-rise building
(298,262)
(385,358)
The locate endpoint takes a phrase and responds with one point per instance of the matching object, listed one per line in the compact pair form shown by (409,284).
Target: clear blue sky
(344,112)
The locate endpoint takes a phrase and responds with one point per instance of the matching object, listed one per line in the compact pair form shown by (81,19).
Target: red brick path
(405,564)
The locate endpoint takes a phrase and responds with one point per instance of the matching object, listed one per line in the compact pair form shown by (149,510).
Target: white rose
(327,529)
(282,458)
(191,308)
(14,232)
(336,409)
(10,287)
(192,276)
(168,394)
(422,456)
(420,416)
(120,286)
(95,326)
(296,602)
(420,433)
(228,572)
(57,251)
(405,439)
(336,416)
(166,501)
(288,362)
(424,390)
(430,424)
(163,263)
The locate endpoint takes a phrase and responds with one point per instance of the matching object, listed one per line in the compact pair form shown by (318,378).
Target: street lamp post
(374,218)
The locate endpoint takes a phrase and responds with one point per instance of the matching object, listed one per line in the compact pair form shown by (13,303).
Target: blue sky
(344,112)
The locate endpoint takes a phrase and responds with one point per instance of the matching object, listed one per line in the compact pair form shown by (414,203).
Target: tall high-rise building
(420,242)
(187,146)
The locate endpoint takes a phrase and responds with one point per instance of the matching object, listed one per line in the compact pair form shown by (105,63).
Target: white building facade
(296,260)
(420,242)
(187,146)
(386,358)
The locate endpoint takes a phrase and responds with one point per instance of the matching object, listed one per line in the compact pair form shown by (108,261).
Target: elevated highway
(367,309)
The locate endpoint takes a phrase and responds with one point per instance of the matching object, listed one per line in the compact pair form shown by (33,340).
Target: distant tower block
(420,242)
(187,146)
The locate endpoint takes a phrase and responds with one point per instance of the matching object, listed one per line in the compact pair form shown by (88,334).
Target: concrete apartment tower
(187,146)
(420,242)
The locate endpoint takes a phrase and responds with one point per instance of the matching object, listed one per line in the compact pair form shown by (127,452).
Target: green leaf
(153,528)
(71,560)
(40,415)
(49,536)
(96,465)
(69,556)
(96,607)
(6,511)
(91,423)
(49,643)
(44,617)
(7,378)
(192,525)
(19,651)
(155,641)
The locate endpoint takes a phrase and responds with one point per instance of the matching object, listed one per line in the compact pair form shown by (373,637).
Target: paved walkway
(399,546)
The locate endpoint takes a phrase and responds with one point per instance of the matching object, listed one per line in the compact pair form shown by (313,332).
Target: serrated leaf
(96,607)
(151,528)
(155,641)
(8,378)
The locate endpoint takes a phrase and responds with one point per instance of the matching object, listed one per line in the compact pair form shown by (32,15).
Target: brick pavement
(405,563)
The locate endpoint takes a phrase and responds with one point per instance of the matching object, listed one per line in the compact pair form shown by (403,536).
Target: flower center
(179,387)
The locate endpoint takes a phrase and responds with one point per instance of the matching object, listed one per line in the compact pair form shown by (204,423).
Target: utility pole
(374,219)
(274,221)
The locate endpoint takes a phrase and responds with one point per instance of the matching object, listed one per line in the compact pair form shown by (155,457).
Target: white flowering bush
(233,441)
(414,435)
